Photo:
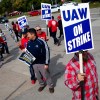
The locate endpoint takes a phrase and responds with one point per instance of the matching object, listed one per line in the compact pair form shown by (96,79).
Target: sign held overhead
(77,27)
(22,21)
(45,11)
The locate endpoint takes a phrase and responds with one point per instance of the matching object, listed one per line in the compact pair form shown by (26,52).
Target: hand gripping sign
(77,32)
(77,27)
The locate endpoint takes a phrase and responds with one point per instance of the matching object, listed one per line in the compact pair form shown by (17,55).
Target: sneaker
(41,88)
(59,37)
(43,79)
(51,90)
(58,43)
(2,59)
(55,43)
(33,81)
(8,53)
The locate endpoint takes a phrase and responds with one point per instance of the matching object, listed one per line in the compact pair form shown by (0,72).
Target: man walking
(39,49)
(15,31)
(22,45)
(60,26)
(53,24)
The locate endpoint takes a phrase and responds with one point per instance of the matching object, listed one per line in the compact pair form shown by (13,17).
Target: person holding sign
(22,45)
(15,31)
(39,49)
(73,77)
(18,29)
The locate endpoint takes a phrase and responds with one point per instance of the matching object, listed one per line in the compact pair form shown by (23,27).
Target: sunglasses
(38,30)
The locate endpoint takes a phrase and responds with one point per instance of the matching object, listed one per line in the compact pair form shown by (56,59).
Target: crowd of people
(3,45)
(35,41)
(15,33)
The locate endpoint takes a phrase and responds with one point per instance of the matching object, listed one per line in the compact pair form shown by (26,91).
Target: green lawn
(94,4)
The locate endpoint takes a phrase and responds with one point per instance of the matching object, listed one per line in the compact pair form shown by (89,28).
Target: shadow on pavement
(12,56)
(56,68)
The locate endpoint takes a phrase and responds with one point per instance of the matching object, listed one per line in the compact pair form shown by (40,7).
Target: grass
(76,1)
(94,4)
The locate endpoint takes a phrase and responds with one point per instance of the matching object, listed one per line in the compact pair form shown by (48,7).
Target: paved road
(14,75)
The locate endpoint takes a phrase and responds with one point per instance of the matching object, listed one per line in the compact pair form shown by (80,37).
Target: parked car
(3,20)
(34,13)
(14,13)
(55,8)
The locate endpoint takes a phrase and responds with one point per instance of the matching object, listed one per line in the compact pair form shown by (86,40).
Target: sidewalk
(14,75)
(18,73)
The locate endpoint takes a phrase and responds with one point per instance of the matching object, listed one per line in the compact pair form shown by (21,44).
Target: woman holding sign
(90,77)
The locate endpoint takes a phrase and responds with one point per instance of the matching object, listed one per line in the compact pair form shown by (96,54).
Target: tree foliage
(21,5)
(5,5)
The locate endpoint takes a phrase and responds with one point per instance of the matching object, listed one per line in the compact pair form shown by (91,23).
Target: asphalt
(15,81)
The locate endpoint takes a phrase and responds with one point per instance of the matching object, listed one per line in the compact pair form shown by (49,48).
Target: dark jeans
(53,34)
(1,55)
(32,72)
(97,97)
(1,50)
(50,32)
(61,33)
(6,48)
(17,35)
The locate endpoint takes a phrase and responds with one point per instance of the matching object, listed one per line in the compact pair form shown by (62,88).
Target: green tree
(21,5)
(6,5)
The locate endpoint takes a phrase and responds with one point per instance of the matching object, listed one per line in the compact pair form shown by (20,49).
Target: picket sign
(47,27)
(27,57)
(22,21)
(77,27)
(46,13)
(77,32)
(81,62)
(82,84)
